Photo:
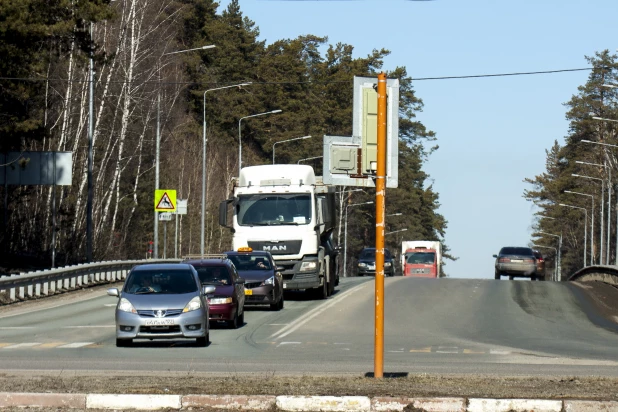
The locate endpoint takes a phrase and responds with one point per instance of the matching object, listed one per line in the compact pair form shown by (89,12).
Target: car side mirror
(208,289)
(240,281)
(113,292)
(496,256)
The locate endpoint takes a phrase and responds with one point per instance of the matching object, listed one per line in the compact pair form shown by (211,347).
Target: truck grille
(284,247)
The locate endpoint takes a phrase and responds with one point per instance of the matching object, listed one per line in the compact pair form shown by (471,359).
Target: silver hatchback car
(162,301)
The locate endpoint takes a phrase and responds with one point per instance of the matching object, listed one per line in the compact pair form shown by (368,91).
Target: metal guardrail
(43,283)
(598,273)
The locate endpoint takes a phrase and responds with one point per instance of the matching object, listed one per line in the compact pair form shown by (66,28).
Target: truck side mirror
(223,213)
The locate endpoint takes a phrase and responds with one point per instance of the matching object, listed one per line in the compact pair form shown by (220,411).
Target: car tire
(123,343)
(233,324)
(277,306)
(497,276)
(203,341)
(241,318)
(534,278)
(511,277)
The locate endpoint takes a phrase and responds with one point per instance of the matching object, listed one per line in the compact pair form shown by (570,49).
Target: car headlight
(219,301)
(269,281)
(126,306)
(308,266)
(362,265)
(194,304)
(387,264)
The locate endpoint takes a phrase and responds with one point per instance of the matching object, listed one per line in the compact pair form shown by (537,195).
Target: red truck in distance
(421,258)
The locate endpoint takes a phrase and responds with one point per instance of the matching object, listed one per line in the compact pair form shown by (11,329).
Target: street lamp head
(306,137)
(276,111)
(575,175)
(210,46)
(587,141)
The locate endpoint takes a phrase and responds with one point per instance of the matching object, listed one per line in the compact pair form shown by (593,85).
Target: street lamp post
(591,226)
(155,252)
(204,141)
(556,262)
(396,231)
(345,235)
(309,158)
(559,262)
(288,140)
(609,201)
(602,200)
(585,225)
(239,134)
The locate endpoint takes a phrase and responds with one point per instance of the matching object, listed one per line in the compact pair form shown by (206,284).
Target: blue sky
(492,132)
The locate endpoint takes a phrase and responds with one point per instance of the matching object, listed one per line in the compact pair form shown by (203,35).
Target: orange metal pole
(378,369)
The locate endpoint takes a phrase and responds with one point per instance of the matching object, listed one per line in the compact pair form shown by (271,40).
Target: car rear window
(161,282)
(217,275)
(520,251)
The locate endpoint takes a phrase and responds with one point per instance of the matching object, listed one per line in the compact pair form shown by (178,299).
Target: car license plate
(248,292)
(160,322)
(517,261)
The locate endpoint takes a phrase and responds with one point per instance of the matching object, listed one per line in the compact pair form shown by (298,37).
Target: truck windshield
(274,209)
(425,258)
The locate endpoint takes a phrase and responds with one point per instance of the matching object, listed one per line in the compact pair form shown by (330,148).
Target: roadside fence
(43,283)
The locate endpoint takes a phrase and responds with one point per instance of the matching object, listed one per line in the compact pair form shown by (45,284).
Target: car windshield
(160,282)
(214,275)
(270,210)
(368,254)
(426,258)
(371,254)
(250,262)
(519,251)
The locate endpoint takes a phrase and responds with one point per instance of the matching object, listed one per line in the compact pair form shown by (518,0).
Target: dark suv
(517,262)
(367,262)
(228,301)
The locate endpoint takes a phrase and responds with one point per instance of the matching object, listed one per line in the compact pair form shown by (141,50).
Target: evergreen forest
(577,187)
(148,82)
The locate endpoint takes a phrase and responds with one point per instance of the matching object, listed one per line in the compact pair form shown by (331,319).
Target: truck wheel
(322,291)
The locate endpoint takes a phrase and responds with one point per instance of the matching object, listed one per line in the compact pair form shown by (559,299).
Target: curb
(298,403)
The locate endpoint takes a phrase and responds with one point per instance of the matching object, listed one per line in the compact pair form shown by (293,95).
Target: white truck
(421,258)
(286,210)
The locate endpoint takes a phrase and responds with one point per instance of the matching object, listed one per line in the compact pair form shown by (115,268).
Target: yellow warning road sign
(165,200)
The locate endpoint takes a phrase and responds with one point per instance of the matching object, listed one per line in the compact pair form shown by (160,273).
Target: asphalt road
(431,325)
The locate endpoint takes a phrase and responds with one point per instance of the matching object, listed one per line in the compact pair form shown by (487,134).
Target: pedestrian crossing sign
(165,200)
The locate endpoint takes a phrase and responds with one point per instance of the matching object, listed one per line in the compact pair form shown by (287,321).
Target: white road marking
(110,304)
(499,352)
(277,324)
(22,345)
(76,345)
(15,327)
(89,326)
(312,314)
(447,349)
(289,343)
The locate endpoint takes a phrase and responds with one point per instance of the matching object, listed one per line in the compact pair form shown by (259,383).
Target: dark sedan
(228,302)
(367,262)
(263,280)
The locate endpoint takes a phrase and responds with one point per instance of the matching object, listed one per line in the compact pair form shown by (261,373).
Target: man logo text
(275,247)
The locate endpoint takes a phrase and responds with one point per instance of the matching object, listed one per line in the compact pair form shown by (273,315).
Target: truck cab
(287,211)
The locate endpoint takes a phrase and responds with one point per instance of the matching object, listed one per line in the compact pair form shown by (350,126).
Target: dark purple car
(227,304)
